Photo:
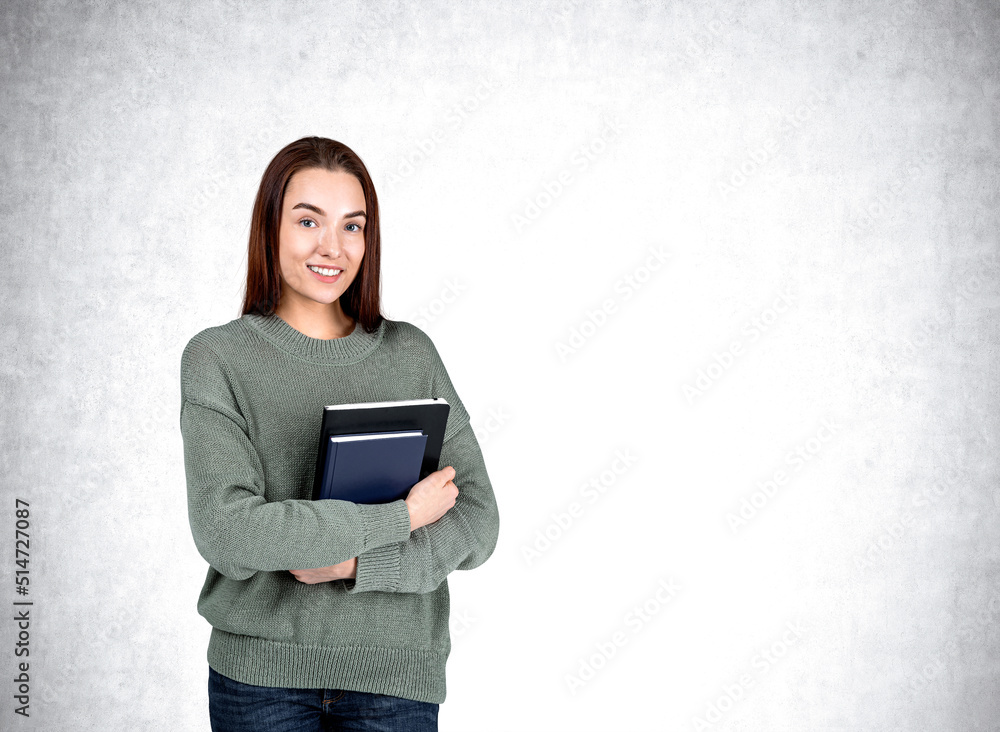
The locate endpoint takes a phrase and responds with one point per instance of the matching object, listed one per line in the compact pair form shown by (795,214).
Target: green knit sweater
(253,392)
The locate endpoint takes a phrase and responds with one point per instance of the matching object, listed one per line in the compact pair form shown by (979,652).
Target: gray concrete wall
(717,282)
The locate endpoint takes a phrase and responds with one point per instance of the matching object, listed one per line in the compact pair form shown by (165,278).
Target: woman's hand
(344,570)
(427,501)
(431,498)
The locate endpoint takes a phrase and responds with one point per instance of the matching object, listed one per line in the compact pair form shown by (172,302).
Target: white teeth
(325,272)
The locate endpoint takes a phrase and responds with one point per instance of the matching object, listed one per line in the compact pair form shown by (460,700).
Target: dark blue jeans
(237,707)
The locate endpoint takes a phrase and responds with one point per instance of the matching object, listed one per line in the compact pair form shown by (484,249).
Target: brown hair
(362,300)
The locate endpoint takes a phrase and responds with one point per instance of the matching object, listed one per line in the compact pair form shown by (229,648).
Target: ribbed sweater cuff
(385,523)
(378,570)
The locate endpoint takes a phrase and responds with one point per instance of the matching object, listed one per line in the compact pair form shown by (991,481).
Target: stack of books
(375,452)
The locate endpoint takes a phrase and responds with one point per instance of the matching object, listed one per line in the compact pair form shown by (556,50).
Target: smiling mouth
(324,271)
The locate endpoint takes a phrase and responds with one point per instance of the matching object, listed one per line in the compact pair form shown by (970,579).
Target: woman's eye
(308,221)
(357,227)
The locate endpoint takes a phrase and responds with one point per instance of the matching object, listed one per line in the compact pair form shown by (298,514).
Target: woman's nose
(329,241)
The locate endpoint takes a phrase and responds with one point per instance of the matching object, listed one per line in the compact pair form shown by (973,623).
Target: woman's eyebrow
(321,212)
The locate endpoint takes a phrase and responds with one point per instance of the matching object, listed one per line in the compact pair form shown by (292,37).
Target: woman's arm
(463,538)
(427,502)
(235,528)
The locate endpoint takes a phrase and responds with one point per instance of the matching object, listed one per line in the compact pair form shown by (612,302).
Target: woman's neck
(323,322)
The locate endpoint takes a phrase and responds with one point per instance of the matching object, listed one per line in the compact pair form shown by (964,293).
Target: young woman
(325,614)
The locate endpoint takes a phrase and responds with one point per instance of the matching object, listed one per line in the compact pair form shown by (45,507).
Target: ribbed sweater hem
(404,672)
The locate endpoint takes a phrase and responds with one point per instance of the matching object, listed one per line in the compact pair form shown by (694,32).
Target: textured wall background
(717,282)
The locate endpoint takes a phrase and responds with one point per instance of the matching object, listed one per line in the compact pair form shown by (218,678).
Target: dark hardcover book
(429,416)
(374,467)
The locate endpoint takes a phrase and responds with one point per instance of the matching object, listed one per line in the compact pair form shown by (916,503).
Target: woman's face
(322,226)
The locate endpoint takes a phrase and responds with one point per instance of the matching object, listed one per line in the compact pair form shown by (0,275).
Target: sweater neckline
(349,348)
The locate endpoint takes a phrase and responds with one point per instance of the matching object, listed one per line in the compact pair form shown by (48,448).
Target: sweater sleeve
(464,538)
(235,528)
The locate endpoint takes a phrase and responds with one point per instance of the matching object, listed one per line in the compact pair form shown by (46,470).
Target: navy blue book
(426,416)
(374,467)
